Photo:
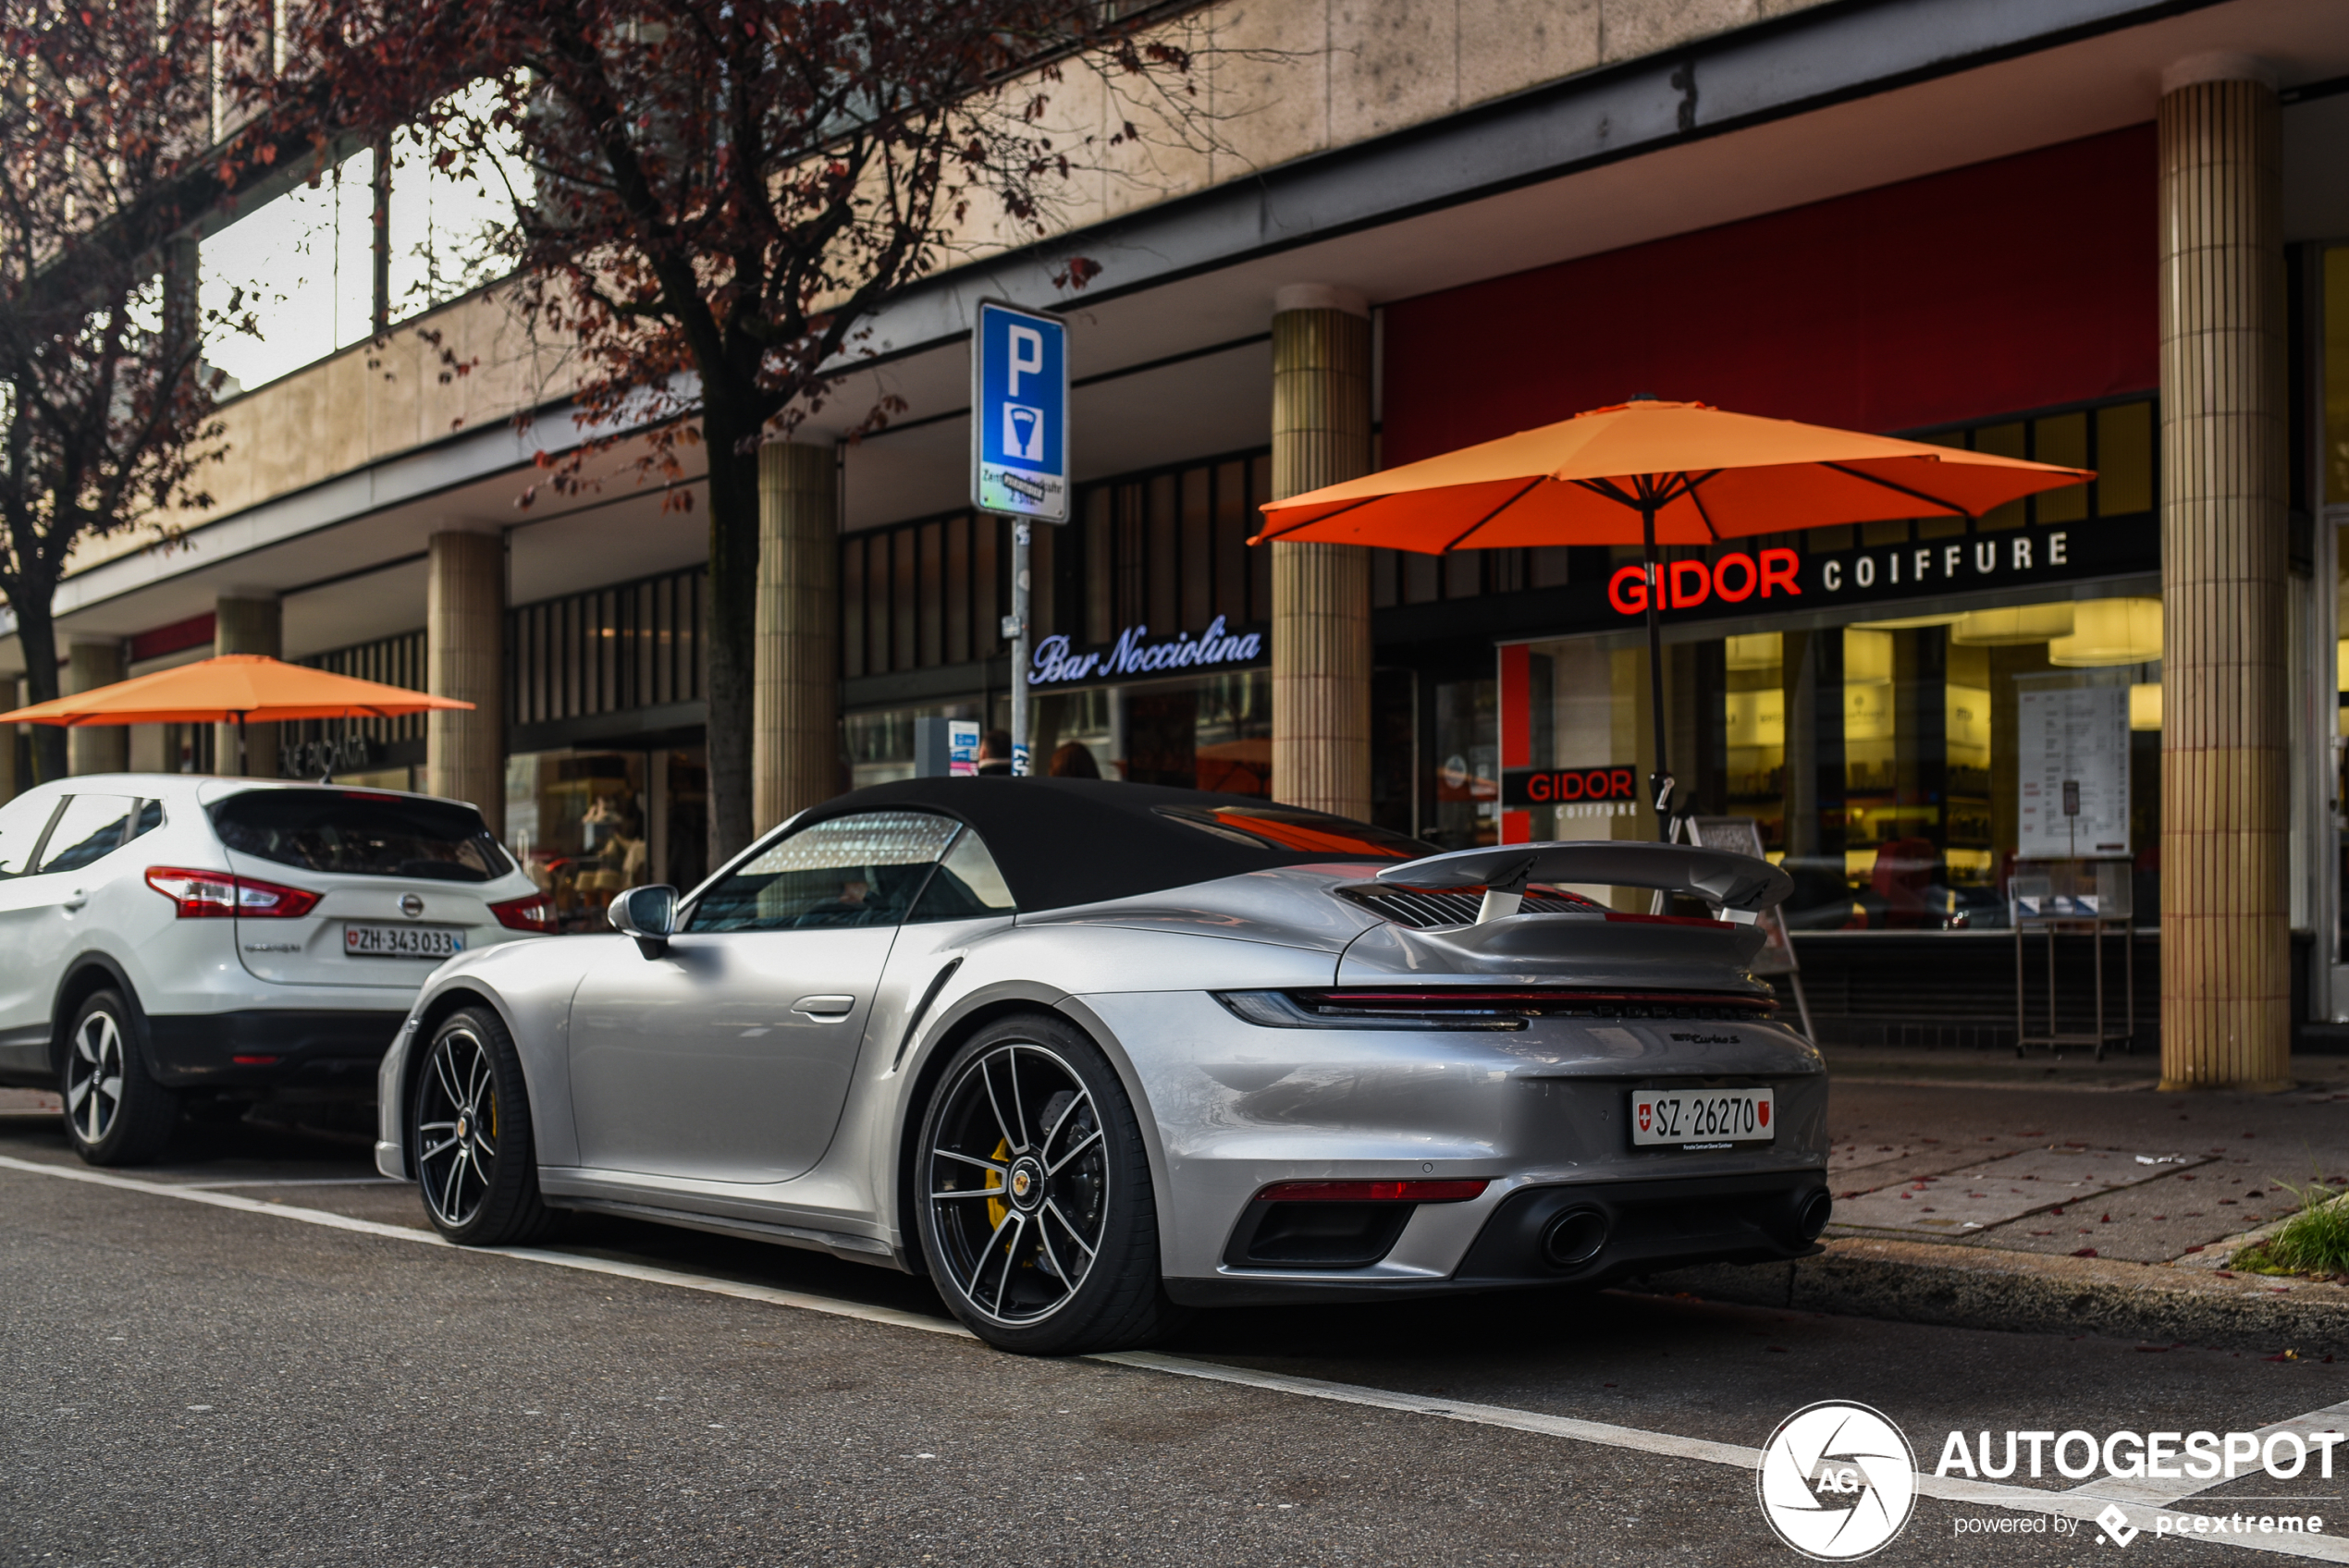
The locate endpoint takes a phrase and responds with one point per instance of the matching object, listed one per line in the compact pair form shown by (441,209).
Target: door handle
(825,1010)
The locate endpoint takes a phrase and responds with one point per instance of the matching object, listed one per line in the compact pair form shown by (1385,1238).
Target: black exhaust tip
(1576,1237)
(1817,1209)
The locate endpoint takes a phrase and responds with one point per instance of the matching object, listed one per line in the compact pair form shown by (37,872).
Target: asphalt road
(194,1384)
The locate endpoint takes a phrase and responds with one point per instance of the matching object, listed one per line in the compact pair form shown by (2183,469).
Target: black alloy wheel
(115,1114)
(469,1134)
(1037,1215)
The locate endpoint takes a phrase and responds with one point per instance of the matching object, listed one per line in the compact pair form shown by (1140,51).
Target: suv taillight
(215,895)
(534,913)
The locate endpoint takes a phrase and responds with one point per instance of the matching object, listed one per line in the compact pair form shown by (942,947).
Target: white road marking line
(2162,1492)
(295,1182)
(1948,1488)
(1451,1409)
(891,1315)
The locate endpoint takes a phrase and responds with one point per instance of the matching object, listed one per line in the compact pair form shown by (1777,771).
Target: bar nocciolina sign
(1746,582)
(1137,654)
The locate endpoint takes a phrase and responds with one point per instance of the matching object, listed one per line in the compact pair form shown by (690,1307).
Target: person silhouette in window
(851,908)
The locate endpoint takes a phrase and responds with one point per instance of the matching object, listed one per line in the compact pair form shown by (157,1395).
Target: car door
(32,933)
(727,1057)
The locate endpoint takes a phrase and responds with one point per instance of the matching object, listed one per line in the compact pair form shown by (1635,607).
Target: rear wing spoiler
(1742,886)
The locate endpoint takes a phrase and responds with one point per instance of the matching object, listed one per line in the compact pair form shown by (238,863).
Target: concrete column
(2225,899)
(1321,593)
(95,748)
(465,658)
(795,700)
(243,624)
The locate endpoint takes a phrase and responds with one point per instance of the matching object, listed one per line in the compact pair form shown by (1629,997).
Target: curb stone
(1977,1287)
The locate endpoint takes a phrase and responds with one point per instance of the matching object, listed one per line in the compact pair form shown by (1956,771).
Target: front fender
(529,984)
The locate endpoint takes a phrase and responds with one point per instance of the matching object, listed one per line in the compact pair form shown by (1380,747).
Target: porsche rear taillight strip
(1450,998)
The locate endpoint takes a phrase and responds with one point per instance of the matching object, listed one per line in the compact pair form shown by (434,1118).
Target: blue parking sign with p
(1019,414)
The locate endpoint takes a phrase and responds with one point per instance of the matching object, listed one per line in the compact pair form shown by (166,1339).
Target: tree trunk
(37,635)
(732,653)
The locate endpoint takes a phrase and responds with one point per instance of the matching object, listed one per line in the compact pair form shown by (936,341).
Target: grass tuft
(2315,1240)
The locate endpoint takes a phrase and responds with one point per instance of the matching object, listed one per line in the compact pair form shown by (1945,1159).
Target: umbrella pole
(242,770)
(1660,782)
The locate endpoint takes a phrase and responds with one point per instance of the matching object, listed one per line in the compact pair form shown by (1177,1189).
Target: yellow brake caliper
(995,1209)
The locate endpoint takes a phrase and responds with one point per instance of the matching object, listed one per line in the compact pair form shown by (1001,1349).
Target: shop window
(2062,439)
(1467,759)
(2125,459)
(607,650)
(1882,761)
(586,824)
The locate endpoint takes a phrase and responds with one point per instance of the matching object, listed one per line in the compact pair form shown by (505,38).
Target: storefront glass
(1896,768)
(587,824)
(1202,732)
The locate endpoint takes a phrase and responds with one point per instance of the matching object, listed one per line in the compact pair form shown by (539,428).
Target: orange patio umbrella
(1652,473)
(232,689)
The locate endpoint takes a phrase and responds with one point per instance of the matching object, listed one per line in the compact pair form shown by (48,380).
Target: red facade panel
(2023,283)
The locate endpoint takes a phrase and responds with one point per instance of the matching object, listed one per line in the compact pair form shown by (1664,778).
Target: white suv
(172,939)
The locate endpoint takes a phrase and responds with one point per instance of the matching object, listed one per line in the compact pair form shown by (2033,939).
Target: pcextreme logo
(1838,1481)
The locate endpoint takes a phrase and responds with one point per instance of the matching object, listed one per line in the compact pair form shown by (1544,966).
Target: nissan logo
(411,905)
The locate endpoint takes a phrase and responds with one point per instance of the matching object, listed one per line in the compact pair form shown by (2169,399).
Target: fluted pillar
(95,748)
(1321,593)
(246,624)
(795,698)
(2226,966)
(465,658)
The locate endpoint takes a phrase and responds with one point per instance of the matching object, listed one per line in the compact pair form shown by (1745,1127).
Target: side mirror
(649,914)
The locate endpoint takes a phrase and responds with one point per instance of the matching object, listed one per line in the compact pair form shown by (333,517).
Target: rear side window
(355,833)
(968,886)
(860,870)
(91,828)
(20,825)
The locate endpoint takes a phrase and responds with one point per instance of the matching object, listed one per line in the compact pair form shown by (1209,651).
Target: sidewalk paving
(1979,1189)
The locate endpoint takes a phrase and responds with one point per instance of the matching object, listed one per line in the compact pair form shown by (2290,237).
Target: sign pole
(1019,461)
(1017,625)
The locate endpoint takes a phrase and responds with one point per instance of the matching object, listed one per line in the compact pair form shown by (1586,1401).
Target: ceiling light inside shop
(1909,622)
(2144,706)
(2014,625)
(1763,650)
(2106,632)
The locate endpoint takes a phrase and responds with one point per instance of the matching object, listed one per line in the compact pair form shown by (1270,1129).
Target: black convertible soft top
(1064,841)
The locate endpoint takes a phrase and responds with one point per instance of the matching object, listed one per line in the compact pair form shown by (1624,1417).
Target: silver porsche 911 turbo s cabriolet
(1091,1054)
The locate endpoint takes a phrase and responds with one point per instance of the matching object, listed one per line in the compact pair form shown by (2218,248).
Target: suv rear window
(356,833)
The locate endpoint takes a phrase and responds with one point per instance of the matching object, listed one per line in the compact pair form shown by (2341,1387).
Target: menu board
(2072,751)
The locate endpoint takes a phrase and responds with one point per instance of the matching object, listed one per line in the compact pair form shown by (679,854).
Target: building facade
(2118,240)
